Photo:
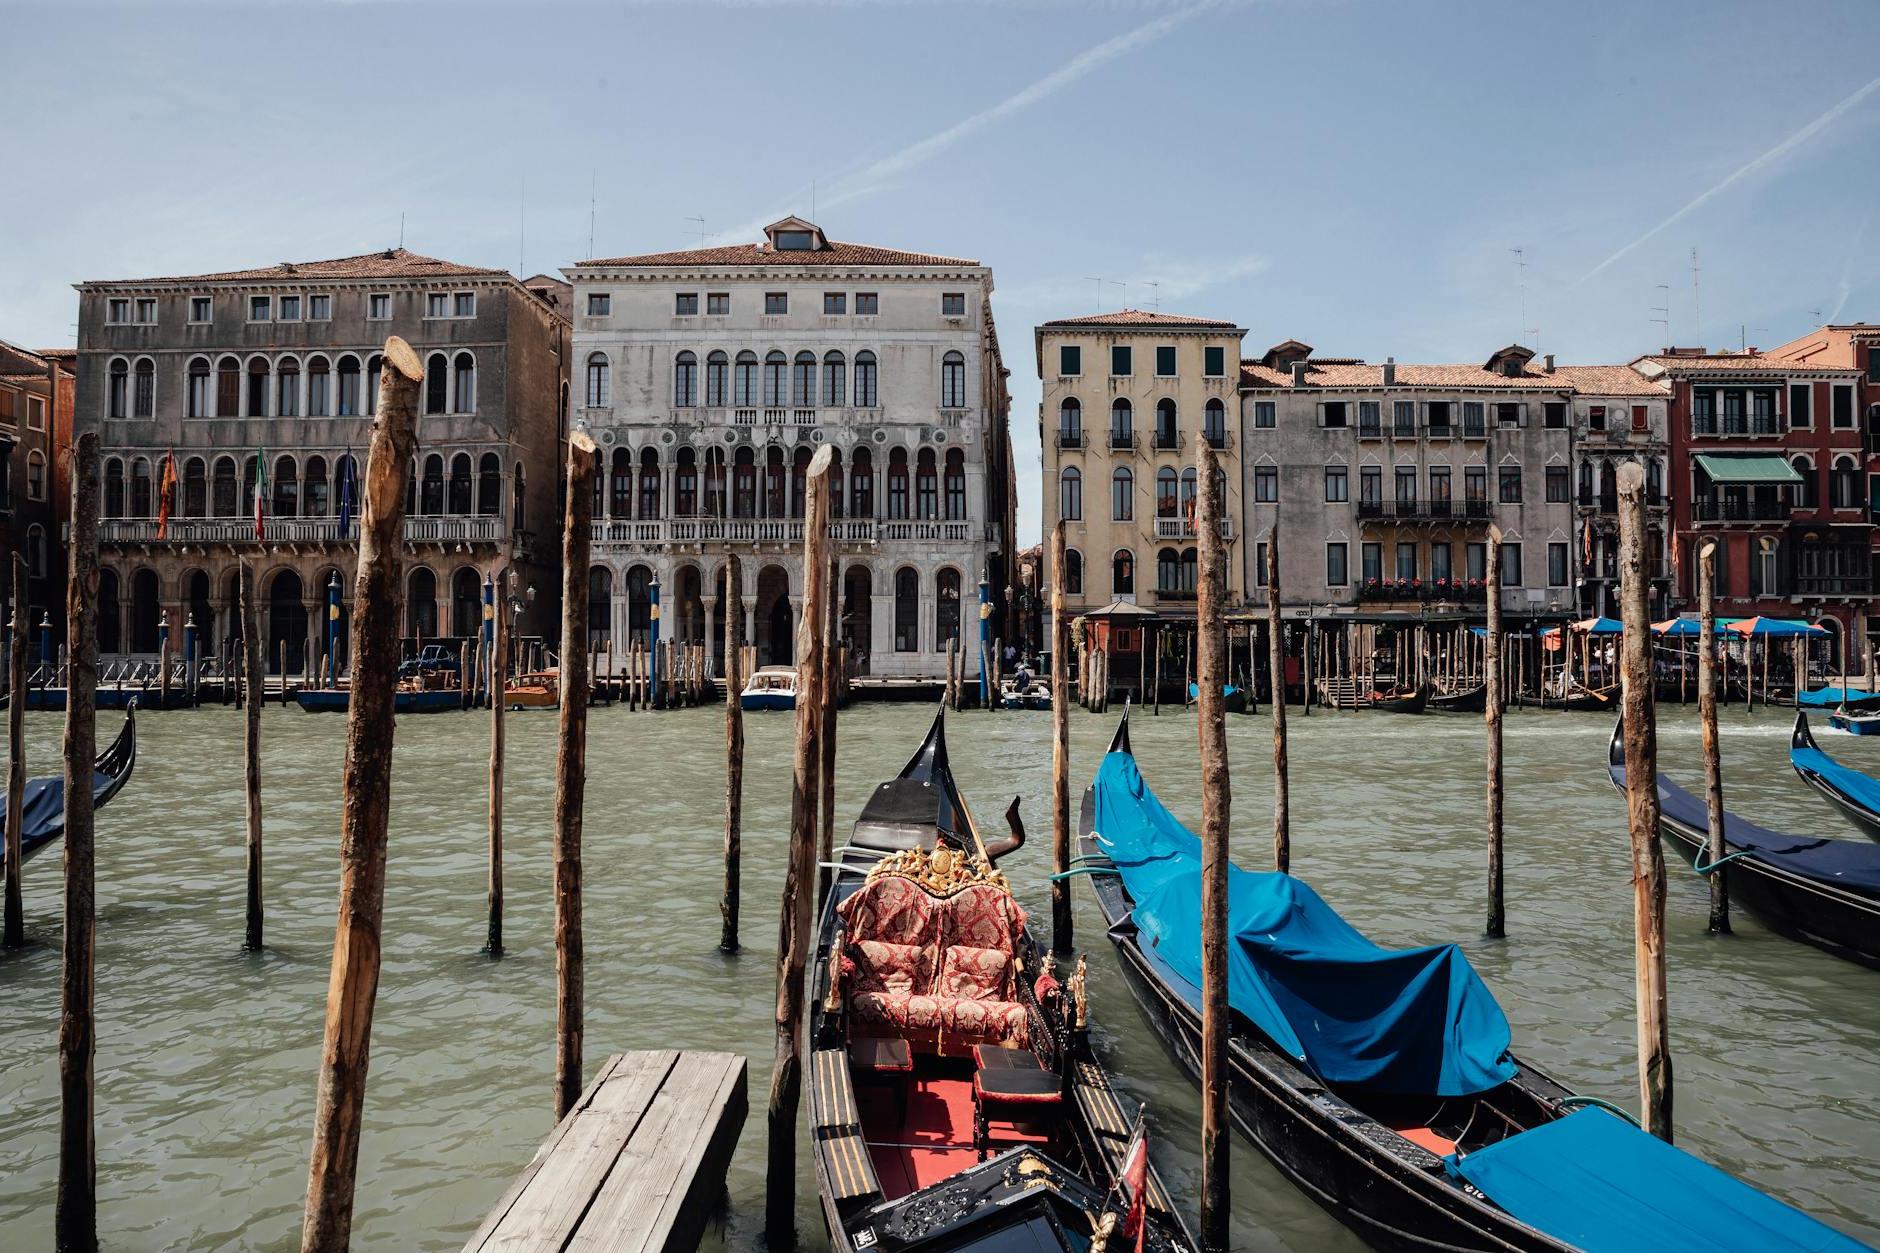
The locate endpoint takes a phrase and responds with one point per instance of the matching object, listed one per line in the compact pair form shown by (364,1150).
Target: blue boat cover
(1393,1020)
(1844,779)
(42,809)
(1600,1184)
(1227,689)
(1833,697)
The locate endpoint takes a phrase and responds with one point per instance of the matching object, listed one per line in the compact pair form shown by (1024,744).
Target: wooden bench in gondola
(636,1165)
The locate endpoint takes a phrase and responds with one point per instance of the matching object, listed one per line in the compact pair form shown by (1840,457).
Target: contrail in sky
(873,177)
(1782,149)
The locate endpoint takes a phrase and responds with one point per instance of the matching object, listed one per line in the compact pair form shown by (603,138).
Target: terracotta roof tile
(1348,374)
(1609,380)
(836,253)
(388,263)
(1143,317)
(1732,363)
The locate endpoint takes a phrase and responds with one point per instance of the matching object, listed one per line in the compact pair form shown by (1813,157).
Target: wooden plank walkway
(635,1167)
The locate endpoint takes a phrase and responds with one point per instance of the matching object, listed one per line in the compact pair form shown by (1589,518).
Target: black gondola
(42,810)
(1583,699)
(975,1116)
(1469,700)
(1822,891)
(1856,795)
(1375,1163)
(1398,701)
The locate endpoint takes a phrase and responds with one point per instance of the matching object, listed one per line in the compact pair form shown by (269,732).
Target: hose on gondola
(1569,1102)
(1717,865)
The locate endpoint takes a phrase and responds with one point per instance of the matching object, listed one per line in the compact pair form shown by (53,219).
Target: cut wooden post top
(400,356)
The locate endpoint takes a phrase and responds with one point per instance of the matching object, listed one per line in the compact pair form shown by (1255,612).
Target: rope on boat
(1569,1102)
(1717,865)
(1077,870)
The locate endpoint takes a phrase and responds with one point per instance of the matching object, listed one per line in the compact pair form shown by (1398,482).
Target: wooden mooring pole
(13,934)
(571,772)
(1211,719)
(251,752)
(1276,665)
(1061,934)
(499,697)
(1491,717)
(734,751)
(1641,780)
(826,774)
(794,937)
(1707,722)
(75,1219)
(352,988)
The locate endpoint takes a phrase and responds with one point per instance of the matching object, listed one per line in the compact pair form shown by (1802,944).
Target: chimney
(1390,371)
(1298,374)
(1549,359)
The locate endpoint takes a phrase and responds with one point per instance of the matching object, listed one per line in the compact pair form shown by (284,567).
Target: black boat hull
(1473,701)
(1412,704)
(1864,819)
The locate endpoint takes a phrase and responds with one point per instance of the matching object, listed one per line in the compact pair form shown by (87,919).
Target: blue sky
(1356,175)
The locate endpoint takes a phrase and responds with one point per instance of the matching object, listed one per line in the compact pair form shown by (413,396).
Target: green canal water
(206,1056)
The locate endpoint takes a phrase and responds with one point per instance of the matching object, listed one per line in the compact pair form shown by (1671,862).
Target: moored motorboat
(1856,795)
(954,1100)
(42,805)
(773,687)
(1381,1081)
(1854,723)
(1024,690)
(1822,891)
(1852,699)
(539,689)
(408,699)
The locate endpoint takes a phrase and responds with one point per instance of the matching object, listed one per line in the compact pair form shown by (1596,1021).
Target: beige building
(1127,395)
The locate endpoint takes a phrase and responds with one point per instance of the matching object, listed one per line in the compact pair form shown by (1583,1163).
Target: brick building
(35,425)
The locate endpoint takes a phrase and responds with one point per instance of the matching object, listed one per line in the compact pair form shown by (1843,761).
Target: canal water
(206,1056)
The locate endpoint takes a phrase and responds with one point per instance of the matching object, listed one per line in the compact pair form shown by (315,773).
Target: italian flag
(261,494)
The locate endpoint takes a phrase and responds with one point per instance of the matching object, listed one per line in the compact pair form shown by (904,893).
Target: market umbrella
(1774,628)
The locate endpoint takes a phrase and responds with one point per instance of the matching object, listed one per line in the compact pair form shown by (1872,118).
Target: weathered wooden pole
(1707,722)
(499,697)
(1061,934)
(1276,664)
(352,988)
(251,752)
(1641,785)
(826,774)
(75,1219)
(1211,711)
(794,932)
(571,772)
(1491,717)
(13,934)
(734,751)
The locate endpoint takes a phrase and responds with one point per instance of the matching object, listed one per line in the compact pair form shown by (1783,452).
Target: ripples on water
(206,1056)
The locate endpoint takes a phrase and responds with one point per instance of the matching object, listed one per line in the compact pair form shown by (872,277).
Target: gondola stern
(1119,743)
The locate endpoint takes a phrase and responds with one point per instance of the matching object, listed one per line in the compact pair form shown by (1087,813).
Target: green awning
(1747,468)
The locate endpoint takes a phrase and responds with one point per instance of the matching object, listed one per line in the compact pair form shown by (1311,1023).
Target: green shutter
(1119,360)
(1070,359)
(1165,361)
(1214,362)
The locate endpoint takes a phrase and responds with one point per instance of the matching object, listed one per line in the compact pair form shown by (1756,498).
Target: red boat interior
(919,1126)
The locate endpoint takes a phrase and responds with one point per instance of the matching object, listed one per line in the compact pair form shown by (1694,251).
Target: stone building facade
(708,378)
(271,375)
(1619,415)
(35,420)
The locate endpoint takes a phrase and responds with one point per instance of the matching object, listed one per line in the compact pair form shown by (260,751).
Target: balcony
(1737,425)
(1122,441)
(240,532)
(744,417)
(1423,510)
(1165,441)
(1070,439)
(660,532)
(1424,591)
(1218,440)
(1184,528)
(1712,509)
(1175,595)
(1370,430)
(1833,585)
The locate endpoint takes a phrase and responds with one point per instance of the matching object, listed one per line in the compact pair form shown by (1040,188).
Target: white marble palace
(709,376)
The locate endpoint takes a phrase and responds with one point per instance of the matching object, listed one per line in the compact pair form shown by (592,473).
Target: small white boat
(773,687)
(1025,690)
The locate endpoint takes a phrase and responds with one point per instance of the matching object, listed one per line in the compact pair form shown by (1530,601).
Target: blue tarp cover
(1598,1183)
(1227,689)
(1832,697)
(42,809)
(1846,780)
(1392,1020)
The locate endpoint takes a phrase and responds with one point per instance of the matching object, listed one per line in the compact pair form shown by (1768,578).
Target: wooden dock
(635,1167)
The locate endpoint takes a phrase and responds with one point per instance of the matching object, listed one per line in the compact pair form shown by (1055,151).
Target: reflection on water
(206,1056)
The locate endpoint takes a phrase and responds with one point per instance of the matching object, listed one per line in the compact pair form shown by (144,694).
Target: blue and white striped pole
(332,631)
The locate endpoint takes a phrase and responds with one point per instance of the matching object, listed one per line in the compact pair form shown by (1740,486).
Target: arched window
(685,380)
(1070,423)
(946,607)
(1654,481)
(897,483)
(36,553)
(1071,494)
(862,484)
(1165,500)
(228,388)
(956,485)
(685,485)
(287,388)
(315,498)
(421,605)
(286,502)
(1802,494)
(1188,496)
(1214,423)
(1123,573)
(1073,572)
(140,489)
(649,483)
(926,488)
(744,383)
(35,475)
(799,481)
(519,498)
(597,381)
(118,389)
(1188,570)
(953,381)
(320,386)
(462,485)
(1586,482)
(744,484)
(776,371)
(1845,484)
(715,485)
(1122,423)
(113,506)
(489,485)
(906,610)
(836,494)
(195,488)
(349,403)
(224,498)
(865,395)
(621,496)
(1168,570)
(436,384)
(201,399)
(1165,423)
(835,379)
(375,366)
(464,383)
(251,465)
(803,380)
(717,379)
(144,388)
(600,604)
(257,404)
(431,487)
(1122,494)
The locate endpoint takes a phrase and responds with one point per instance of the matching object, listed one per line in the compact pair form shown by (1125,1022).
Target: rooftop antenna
(1155,301)
(401,228)
(1697,302)
(1664,309)
(593,183)
(1100,282)
(701,230)
(1520,284)
(812,200)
